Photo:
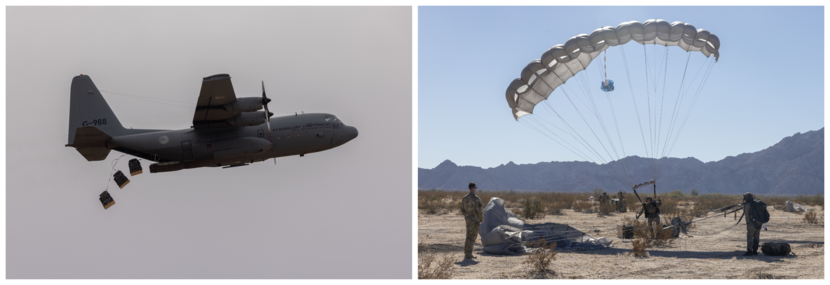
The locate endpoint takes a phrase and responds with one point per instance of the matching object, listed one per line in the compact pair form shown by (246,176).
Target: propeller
(268,115)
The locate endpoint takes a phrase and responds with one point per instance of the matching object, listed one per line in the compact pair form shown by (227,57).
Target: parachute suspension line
(616,156)
(554,133)
(593,108)
(705,77)
(575,134)
(595,135)
(662,102)
(677,103)
(605,65)
(694,101)
(659,98)
(572,91)
(680,110)
(566,87)
(112,169)
(619,136)
(648,101)
(533,127)
(634,99)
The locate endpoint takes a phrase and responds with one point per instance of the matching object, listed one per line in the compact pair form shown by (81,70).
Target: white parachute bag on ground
(503,232)
(794,207)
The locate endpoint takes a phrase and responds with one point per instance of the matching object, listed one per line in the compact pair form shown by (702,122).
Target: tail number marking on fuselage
(96,122)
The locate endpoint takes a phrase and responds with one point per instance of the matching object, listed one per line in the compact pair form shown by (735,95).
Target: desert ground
(713,251)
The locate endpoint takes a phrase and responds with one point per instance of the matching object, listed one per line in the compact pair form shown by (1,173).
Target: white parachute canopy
(561,62)
(663,85)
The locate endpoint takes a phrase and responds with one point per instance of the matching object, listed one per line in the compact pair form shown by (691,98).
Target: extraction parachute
(595,141)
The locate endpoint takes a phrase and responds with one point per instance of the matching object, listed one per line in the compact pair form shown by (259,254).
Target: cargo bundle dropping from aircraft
(227,131)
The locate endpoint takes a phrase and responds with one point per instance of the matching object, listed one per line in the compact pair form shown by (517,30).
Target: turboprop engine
(249,119)
(222,112)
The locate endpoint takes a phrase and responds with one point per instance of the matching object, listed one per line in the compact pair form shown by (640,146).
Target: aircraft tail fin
(91,142)
(87,107)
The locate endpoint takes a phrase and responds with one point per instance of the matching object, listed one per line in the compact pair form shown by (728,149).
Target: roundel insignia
(164,139)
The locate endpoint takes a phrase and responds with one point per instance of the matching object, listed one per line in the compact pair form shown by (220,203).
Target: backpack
(656,209)
(776,249)
(759,211)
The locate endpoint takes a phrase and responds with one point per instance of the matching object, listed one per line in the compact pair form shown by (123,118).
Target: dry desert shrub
(643,232)
(774,200)
(533,209)
(433,264)
(641,229)
(669,207)
(565,200)
(596,192)
(639,247)
(605,209)
(555,209)
(439,201)
(632,203)
(710,202)
(770,277)
(436,204)
(451,206)
(810,217)
(579,206)
(539,261)
(813,200)
(662,238)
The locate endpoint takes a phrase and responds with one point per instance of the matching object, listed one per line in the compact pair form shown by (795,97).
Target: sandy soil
(712,252)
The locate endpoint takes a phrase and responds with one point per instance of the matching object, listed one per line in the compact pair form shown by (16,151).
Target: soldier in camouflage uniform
(621,204)
(753,228)
(604,199)
(652,210)
(473,213)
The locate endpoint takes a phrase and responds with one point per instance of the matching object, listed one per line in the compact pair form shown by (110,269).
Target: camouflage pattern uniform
(473,213)
(604,198)
(652,213)
(621,204)
(753,228)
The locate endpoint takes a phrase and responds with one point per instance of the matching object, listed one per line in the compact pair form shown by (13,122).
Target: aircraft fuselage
(291,135)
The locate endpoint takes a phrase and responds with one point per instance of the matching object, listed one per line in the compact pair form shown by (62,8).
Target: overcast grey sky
(341,213)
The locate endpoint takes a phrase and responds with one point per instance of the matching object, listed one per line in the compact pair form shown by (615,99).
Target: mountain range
(795,165)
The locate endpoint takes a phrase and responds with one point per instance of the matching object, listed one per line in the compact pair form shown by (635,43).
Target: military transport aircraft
(227,131)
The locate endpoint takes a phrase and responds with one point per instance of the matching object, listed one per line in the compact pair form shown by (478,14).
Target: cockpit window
(332,119)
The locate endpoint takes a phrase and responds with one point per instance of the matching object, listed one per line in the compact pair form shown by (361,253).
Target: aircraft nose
(351,133)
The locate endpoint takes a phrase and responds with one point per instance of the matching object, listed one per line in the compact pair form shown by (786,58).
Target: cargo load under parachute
(106,200)
(120,179)
(135,167)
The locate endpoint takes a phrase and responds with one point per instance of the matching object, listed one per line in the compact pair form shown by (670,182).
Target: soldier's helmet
(472,185)
(748,196)
(648,198)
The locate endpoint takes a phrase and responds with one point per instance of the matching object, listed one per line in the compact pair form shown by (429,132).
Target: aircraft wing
(217,91)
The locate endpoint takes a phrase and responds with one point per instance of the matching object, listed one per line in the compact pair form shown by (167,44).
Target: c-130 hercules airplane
(227,131)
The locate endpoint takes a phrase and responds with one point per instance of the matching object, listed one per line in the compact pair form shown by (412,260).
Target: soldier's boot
(469,256)
(755,247)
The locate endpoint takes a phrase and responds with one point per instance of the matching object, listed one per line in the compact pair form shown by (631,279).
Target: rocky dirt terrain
(713,251)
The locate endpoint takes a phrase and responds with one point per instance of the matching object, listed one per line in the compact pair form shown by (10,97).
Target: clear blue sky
(767,85)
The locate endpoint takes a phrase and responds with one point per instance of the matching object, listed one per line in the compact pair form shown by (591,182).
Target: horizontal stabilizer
(91,142)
